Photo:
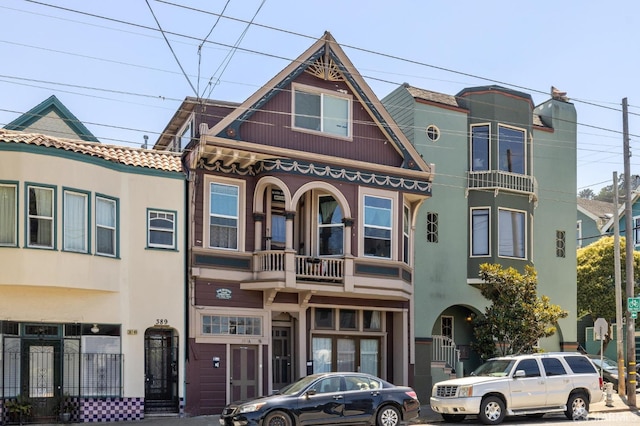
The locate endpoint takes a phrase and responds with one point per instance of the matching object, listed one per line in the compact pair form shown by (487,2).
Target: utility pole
(618,284)
(629,237)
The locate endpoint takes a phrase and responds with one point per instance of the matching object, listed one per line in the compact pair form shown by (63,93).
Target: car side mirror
(519,373)
(311,392)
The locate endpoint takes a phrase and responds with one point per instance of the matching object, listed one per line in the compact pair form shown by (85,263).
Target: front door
(40,373)
(282,368)
(244,372)
(161,370)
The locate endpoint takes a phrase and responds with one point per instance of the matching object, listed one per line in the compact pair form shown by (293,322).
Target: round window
(433,133)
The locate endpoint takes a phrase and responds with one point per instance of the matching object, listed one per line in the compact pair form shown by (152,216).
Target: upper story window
(406,234)
(636,230)
(330,227)
(378,220)
(480,147)
(579,234)
(561,245)
(511,233)
(231,325)
(433,133)
(41,216)
(511,145)
(185,137)
(321,111)
(106,226)
(480,232)
(432,227)
(223,216)
(8,214)
(161,229)
(75,215)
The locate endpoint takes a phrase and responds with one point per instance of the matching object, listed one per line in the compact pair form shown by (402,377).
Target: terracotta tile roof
(152,159)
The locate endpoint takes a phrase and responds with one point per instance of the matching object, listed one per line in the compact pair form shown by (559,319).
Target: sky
(123,67)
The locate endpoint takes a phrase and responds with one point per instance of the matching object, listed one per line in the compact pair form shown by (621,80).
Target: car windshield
(607,363)
(298,386)
(494,367)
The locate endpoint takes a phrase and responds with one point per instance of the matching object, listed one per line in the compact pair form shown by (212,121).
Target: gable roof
(137,157)
(598,211)
(52,104)
(323,58)
(621,211)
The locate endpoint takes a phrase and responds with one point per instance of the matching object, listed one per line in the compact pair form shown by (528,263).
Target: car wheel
(577,407)
(277,418)
(388,416)
(453,418)
(491,411)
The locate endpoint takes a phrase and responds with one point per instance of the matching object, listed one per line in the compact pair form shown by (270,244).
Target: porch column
(289,216)
(258,218)
(348,224)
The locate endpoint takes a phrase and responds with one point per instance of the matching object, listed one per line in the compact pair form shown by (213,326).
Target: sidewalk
(618,403)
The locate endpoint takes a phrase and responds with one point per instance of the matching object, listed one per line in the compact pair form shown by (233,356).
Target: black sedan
(328,398)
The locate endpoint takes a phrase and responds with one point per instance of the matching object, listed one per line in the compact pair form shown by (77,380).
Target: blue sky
(108,63)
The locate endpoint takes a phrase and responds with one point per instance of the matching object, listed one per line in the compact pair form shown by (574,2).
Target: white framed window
(75,221)
(636,230)
(161,229)
(512,233)
(330,226)
(579,234)
(378,226)
(224,208)
(41,216)
(231,325)
(480,231)
(8,214)
(106,226)
(321,111)
(406,234)
(185,137)
(512,149)
(480,144)
(433,133)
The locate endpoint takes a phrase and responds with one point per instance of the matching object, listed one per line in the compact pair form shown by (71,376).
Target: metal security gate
(161,370)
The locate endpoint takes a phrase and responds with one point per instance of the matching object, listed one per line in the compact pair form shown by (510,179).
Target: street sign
(633,304)
(600,329)
(634,315)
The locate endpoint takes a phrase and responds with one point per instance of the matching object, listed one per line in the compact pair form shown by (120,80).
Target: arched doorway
(161,370)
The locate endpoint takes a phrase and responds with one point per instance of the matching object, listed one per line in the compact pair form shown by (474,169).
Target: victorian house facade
(302,202)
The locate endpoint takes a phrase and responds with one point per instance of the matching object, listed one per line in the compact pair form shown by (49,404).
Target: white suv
(531,385)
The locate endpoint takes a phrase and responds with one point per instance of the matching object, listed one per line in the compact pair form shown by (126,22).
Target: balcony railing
(498,179)
(306,267)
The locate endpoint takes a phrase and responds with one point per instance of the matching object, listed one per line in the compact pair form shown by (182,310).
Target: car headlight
(250,408)
(464,391)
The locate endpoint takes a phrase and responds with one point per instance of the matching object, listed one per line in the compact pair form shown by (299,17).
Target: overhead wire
(343,45)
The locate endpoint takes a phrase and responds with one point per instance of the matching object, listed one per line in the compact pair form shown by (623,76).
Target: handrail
(444,349)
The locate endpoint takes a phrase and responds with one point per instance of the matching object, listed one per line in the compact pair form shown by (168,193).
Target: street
(602,419)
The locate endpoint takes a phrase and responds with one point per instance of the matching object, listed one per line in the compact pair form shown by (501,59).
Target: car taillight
(601,382)
(412,394)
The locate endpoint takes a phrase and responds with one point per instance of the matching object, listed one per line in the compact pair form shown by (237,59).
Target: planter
(65,417)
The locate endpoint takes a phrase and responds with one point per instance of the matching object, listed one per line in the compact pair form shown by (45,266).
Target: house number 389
(162,321)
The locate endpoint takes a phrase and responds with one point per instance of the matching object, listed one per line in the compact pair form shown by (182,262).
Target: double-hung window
(406,233)
(223,216)
(8,214)
(480,232)
(322,112)
(330,227)
(106,226)
(377,226)
(75,218)
(161,228)
(636,230)
(511,145)
(41,216)
(480,147)
(511,233)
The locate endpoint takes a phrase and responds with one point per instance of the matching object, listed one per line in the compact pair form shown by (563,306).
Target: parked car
(328,398)
(530,385)
(609,369)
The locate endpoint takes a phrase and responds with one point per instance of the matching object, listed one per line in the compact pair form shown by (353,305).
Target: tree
(517,318)
(587,194)
(596,284)
(606,192)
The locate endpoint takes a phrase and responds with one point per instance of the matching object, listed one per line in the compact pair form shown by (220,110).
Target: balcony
(497,180)
(306,267)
